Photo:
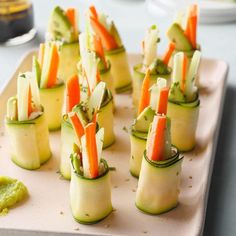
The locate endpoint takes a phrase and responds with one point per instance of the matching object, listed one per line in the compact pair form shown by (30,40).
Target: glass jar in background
(16,22)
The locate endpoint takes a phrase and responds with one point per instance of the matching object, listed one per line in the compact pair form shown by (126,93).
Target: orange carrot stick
(184,72)
(90,132)
(168,53)
(72,93)
(108,41)
(77,125)
(157,139)
(193,27)
(145,94)
(93,12)
(30,108)
(94,120)
(52,75)
(99,49)
(163,101)
(41,54)
(71,15)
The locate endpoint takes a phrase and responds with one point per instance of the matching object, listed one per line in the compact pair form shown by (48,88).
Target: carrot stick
(90,132)
(72,93)
(77,125)
(168,53)
(145,94)
(99,49)
(193,30)
(94,120)
(157,139)
(184,72)
(41,54)
(30,108)
(52,75)
(93,12)
(163,101)
(108,41)
(71,15)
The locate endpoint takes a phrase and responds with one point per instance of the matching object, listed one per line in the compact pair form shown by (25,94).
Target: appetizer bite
(183,105)
(90,190)
(184,36)
(158,66)
(63,29)
(158,184)
(95,96)
(26,125)
(152,101)
(51,88)
(67,134)
(114,49)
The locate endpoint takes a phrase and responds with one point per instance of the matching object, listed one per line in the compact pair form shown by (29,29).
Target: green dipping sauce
(12,191)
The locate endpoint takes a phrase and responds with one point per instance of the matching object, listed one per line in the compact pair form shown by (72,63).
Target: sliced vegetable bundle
(63,29)
(26,125)
(158,66)
(184,34)
(93,55)
(114,49)
(51,88)
(67,134)
(90,190)
(183,105)
(152,101)
(158,184)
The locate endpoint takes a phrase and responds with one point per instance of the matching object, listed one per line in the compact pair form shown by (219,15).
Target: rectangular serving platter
(47,210)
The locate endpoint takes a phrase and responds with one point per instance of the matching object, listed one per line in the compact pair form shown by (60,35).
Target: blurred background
(217,36)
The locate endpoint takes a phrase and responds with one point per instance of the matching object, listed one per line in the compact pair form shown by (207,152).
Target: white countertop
(217,41)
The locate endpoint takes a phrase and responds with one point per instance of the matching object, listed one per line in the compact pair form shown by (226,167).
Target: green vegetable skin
(29,142)
(120,69)
(90,199)
(12,191)
(52,101)
(69,57)
(67,142)
(184,117)
(105,76)
(138,77)
(105,119)
(138,142)
(158,186)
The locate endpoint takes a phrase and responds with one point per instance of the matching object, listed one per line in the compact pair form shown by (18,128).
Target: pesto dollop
(12,191)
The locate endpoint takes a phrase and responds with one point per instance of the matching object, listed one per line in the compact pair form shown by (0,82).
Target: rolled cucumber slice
(158,185)
(69,56)
(138,76)
(29,142)
(67,142)
(120,69)
(138,142)
(184,118)
(90,199)
(52,101)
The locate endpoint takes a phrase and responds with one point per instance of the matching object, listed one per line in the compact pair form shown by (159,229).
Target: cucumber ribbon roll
(114,50)
(90,190)
(63,29)
(158,185)
(26,125)
(158,66)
